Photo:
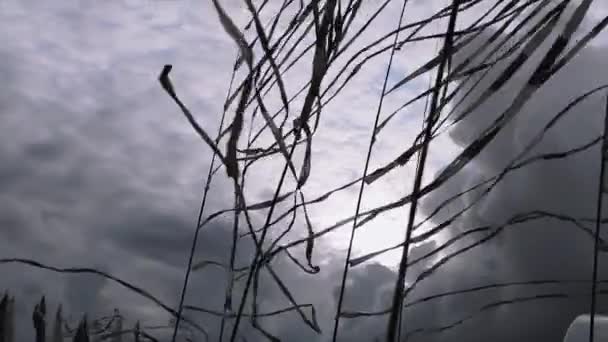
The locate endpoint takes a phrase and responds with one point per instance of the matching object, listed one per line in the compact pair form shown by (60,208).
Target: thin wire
(367,160)
(600,197)
(200,215)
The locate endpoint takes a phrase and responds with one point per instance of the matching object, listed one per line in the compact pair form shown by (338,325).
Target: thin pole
(360,196)
(598,225)
(200,216)
(395,315)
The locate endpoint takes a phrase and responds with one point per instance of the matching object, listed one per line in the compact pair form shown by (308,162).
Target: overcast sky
(98,168)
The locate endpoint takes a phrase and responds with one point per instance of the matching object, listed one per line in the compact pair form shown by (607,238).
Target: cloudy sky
(99,169)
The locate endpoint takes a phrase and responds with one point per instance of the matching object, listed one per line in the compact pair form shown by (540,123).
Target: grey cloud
(544,249)
(94,179)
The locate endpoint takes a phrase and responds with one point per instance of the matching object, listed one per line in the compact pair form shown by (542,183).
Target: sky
(99,169)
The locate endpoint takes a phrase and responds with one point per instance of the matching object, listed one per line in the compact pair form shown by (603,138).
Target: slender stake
(395,315)
(200,217)
(598,225)
(360,196)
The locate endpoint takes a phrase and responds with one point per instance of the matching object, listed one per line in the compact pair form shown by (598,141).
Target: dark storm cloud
(81,182)
(543,249)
